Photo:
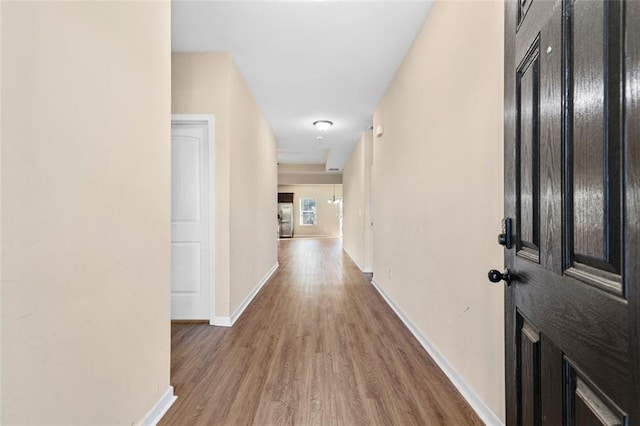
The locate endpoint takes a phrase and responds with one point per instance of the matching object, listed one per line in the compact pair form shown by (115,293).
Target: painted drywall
(85,211)
(438,190)
(254,182)
(301,178)
(301,168)
(328,214)
(200,84)
(357,228)
(307,174)
(368,201)
(245,171)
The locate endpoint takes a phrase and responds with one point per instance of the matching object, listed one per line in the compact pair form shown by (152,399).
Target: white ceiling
(307,61)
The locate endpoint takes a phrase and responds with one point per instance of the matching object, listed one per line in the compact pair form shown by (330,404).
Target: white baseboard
(159,409)
(485,413)
(363,270)
(313,237)
(229,321)
(221,321)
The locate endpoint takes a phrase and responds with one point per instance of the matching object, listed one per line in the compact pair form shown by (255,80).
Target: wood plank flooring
(318,346)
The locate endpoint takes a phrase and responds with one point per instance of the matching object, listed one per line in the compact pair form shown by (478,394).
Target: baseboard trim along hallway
(159,409)
(229,321)
(317,345)
(363,270)
(484,412)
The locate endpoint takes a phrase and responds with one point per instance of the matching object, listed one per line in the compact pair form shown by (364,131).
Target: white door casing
(192,277)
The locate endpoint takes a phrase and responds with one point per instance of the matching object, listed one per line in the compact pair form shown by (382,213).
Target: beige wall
(328,214)
(368,201)
(307,174)
(309,178)
(438,190)
(245,170)
(200,84)
(254,182)
(301,168)
(357,230)
(85,211)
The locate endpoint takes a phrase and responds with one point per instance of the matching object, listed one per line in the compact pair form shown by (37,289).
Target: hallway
(318,345)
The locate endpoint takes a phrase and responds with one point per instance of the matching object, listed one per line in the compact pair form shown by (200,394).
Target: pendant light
(334,200)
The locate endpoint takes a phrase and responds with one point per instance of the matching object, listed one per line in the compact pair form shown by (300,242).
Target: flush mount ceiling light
(322,125)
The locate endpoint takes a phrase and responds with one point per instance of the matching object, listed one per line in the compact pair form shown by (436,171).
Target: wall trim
(363,270)
(159,409)
(485,413)
(229,321)
(221,321)
(311,237)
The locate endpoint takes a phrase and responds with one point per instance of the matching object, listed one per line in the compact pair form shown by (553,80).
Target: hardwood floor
(318,346)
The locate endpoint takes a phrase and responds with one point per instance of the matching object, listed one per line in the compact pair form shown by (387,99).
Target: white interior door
(190,221)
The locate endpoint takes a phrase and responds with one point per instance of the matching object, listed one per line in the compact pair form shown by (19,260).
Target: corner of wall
(368,201)
(253,191)
(223,194)
(354,204)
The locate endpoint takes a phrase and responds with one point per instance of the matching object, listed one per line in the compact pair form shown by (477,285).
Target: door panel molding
(527,155)
(209,121)
(587,404)
(593,45)
(529,370)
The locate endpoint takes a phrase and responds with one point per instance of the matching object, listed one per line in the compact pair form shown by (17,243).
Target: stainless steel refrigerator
(285,219)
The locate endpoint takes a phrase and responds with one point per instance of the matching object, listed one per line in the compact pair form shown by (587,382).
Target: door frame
(209,120)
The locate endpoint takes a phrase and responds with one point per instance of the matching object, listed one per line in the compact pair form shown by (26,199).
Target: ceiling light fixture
(322,125)
(334,200)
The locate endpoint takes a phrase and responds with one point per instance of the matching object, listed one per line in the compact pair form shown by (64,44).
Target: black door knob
(496,276)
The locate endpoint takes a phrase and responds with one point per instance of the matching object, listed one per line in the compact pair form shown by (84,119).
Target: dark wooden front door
(572,189)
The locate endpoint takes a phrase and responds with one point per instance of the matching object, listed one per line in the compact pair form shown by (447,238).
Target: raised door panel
(528,221)
(587,405)
(185,268)
(529,373)
(594,37)
(185,182)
